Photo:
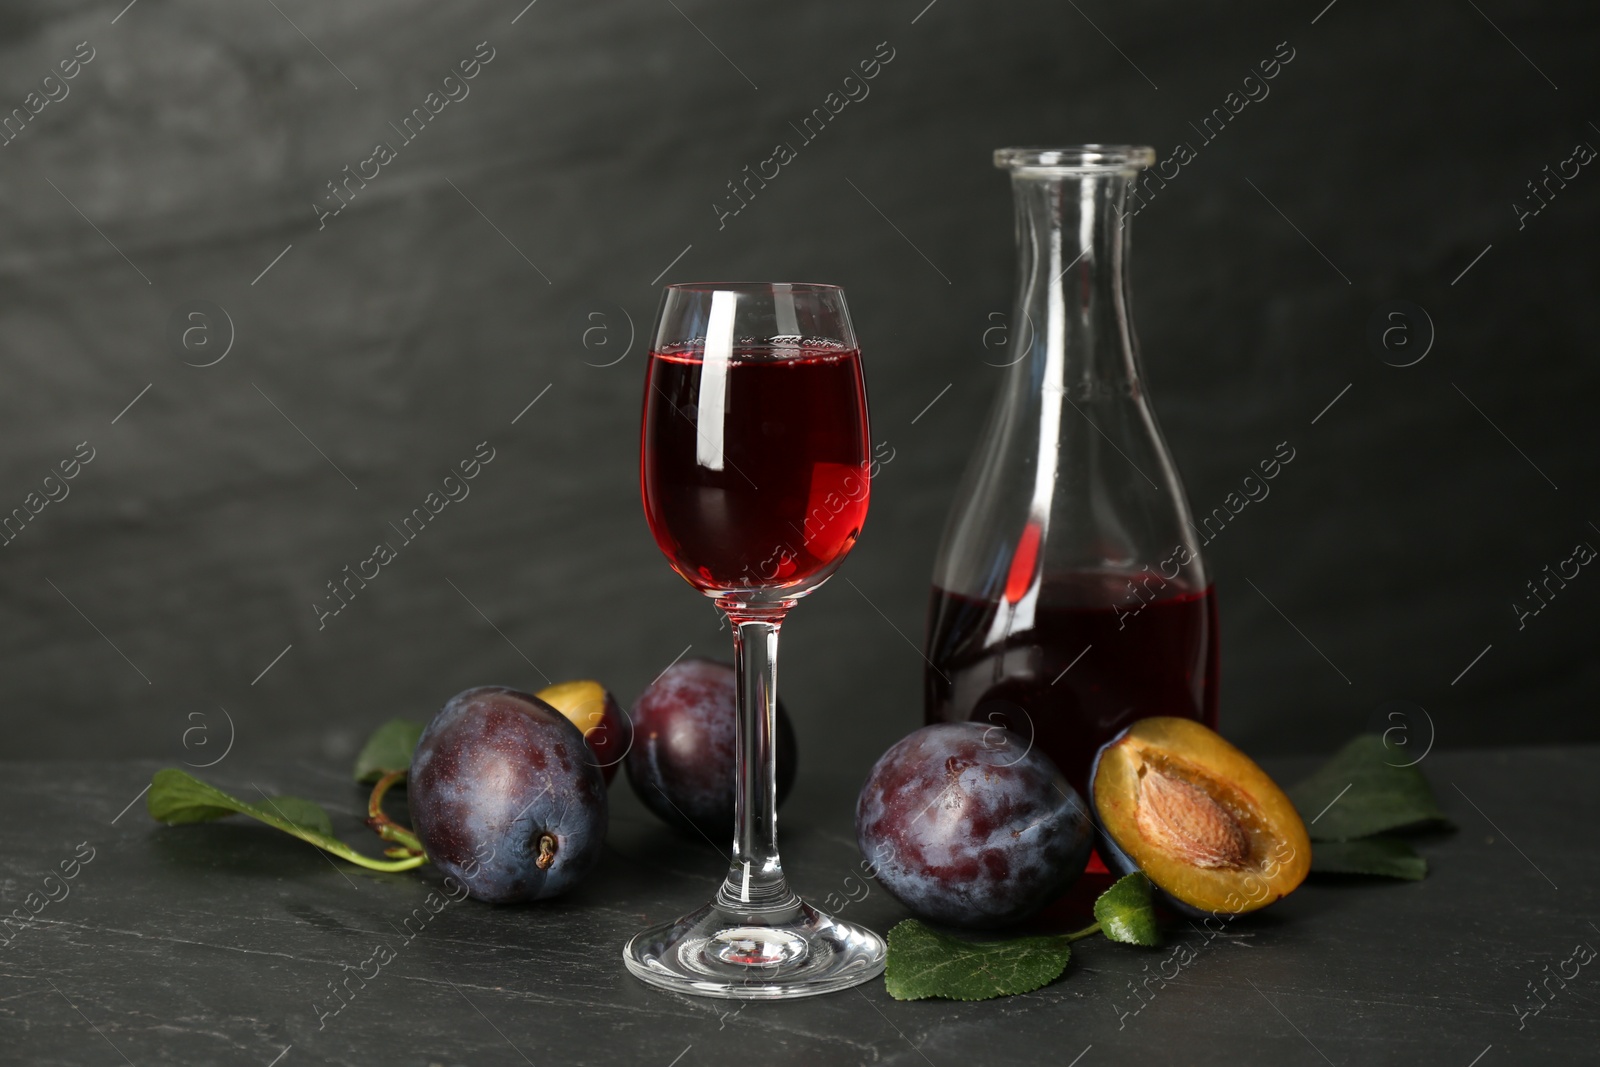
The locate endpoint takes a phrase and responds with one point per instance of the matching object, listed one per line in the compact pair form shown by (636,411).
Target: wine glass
(754,471)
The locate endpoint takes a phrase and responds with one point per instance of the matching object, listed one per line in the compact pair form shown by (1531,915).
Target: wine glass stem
(755,887)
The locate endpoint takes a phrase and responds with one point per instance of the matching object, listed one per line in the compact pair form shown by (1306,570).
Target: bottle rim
(1077,159)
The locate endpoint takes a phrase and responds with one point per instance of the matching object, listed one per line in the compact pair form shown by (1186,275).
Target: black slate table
(220,944)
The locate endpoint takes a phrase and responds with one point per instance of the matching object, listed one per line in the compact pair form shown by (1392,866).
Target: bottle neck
(1072,243)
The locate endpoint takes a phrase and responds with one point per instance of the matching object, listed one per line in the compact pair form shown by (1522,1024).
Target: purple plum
(682,760)
(968,825)
(506,796)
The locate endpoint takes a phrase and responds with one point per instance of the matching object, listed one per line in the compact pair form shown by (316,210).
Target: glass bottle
(1069,595)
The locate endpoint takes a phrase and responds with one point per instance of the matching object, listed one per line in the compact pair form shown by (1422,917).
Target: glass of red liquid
(754,471)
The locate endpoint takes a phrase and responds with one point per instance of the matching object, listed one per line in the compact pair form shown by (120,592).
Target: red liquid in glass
(1149,653)
(754,469)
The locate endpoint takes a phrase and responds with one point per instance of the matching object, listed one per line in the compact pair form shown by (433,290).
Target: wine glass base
(710,954)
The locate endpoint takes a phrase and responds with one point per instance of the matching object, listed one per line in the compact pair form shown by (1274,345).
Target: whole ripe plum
(506,796)
(682,763)
(593,709)
(965,824)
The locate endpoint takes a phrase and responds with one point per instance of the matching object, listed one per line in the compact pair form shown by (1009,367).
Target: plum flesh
(683,756)
(506,796)
(966,825)
(1214,834)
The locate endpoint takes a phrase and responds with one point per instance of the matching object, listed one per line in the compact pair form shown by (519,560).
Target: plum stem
(345,852)
(1085,932)
(387,828)
(547,852)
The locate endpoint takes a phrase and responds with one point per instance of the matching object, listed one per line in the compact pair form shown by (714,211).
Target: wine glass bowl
(754,453)
(754,473)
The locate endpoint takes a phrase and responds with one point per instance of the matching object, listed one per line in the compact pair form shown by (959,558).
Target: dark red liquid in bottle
(1097,653)
(755,469)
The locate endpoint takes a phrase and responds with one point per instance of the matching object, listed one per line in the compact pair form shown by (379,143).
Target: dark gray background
(414,327)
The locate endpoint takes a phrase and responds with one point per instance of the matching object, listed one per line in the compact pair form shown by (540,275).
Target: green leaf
(1361,791)
(1386,857)
(306,814)
(926,963)
(177,797)
(1125,913)
(388,749)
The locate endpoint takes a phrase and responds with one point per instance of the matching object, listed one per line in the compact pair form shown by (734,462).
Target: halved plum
(1196,815)
(592,709)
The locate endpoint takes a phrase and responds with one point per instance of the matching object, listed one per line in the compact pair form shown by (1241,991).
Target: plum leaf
(306,814)
(1363,791)
(178,797)
(924,962)
(388,749)
(1126,914)
(1385,857)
